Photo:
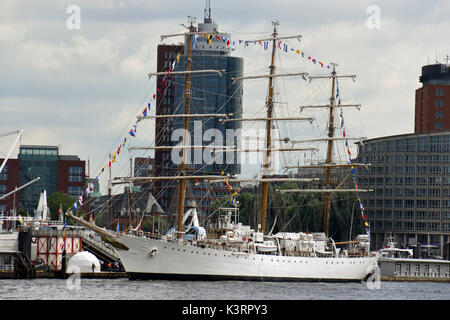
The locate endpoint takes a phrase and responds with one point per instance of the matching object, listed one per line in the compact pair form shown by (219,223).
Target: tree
(55,199)
(300,212)
(152,223)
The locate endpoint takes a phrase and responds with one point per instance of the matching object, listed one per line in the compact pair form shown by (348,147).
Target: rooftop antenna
(446,59)
(207,18)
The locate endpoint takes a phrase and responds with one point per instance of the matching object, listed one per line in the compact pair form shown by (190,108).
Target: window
(75,174)
(435,203)
(421,203)
(3,189)
(421,226)
(409,225)
(434,181)
(421,181)
(4,174)
(398,203)
(75,192)
(400,158)
(435,192)
(409,203)
(435,170)
(421,169)
(437,92)
(411,158)
(442,92)
(421,192)
(422,158)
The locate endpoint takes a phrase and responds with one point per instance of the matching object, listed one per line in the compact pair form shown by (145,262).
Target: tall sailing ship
(226,249)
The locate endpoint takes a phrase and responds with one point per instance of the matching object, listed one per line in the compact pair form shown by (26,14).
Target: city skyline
(82,88)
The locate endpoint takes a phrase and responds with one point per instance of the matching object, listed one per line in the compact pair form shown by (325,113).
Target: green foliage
(22,212)
(153,221)
(57,198)
(300,212)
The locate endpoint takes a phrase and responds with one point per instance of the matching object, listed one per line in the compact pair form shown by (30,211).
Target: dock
(44,251)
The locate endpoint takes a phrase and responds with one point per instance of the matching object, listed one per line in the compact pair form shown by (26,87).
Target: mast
(187,98)
(268,128)
(329,160)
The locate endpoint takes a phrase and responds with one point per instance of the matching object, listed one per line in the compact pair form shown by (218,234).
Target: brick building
(432,112)
(62,173)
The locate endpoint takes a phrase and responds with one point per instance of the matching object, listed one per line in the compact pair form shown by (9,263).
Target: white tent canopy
(84,261)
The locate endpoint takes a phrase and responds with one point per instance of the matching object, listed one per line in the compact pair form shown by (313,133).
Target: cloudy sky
(81,88)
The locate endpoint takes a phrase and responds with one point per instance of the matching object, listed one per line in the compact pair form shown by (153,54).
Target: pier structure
(44,249)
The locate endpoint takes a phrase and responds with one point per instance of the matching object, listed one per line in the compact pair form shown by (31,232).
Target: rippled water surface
(123,289)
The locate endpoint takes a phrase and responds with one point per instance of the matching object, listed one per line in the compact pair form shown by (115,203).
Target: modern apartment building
(62,173)
(410,178)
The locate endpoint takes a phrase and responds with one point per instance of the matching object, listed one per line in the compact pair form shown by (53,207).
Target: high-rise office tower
(210,94)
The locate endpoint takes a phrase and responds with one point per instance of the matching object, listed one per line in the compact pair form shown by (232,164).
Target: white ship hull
(183,262)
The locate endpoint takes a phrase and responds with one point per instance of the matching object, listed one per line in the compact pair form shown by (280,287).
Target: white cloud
(82,88)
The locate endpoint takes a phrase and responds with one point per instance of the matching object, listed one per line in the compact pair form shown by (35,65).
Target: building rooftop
(435,72)
(406,135)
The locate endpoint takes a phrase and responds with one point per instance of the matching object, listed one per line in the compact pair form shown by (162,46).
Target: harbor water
(123,289)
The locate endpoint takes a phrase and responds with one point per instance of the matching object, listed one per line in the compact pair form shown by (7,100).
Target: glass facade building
(210,94)
(62,173)
(410,178)
(37,161)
